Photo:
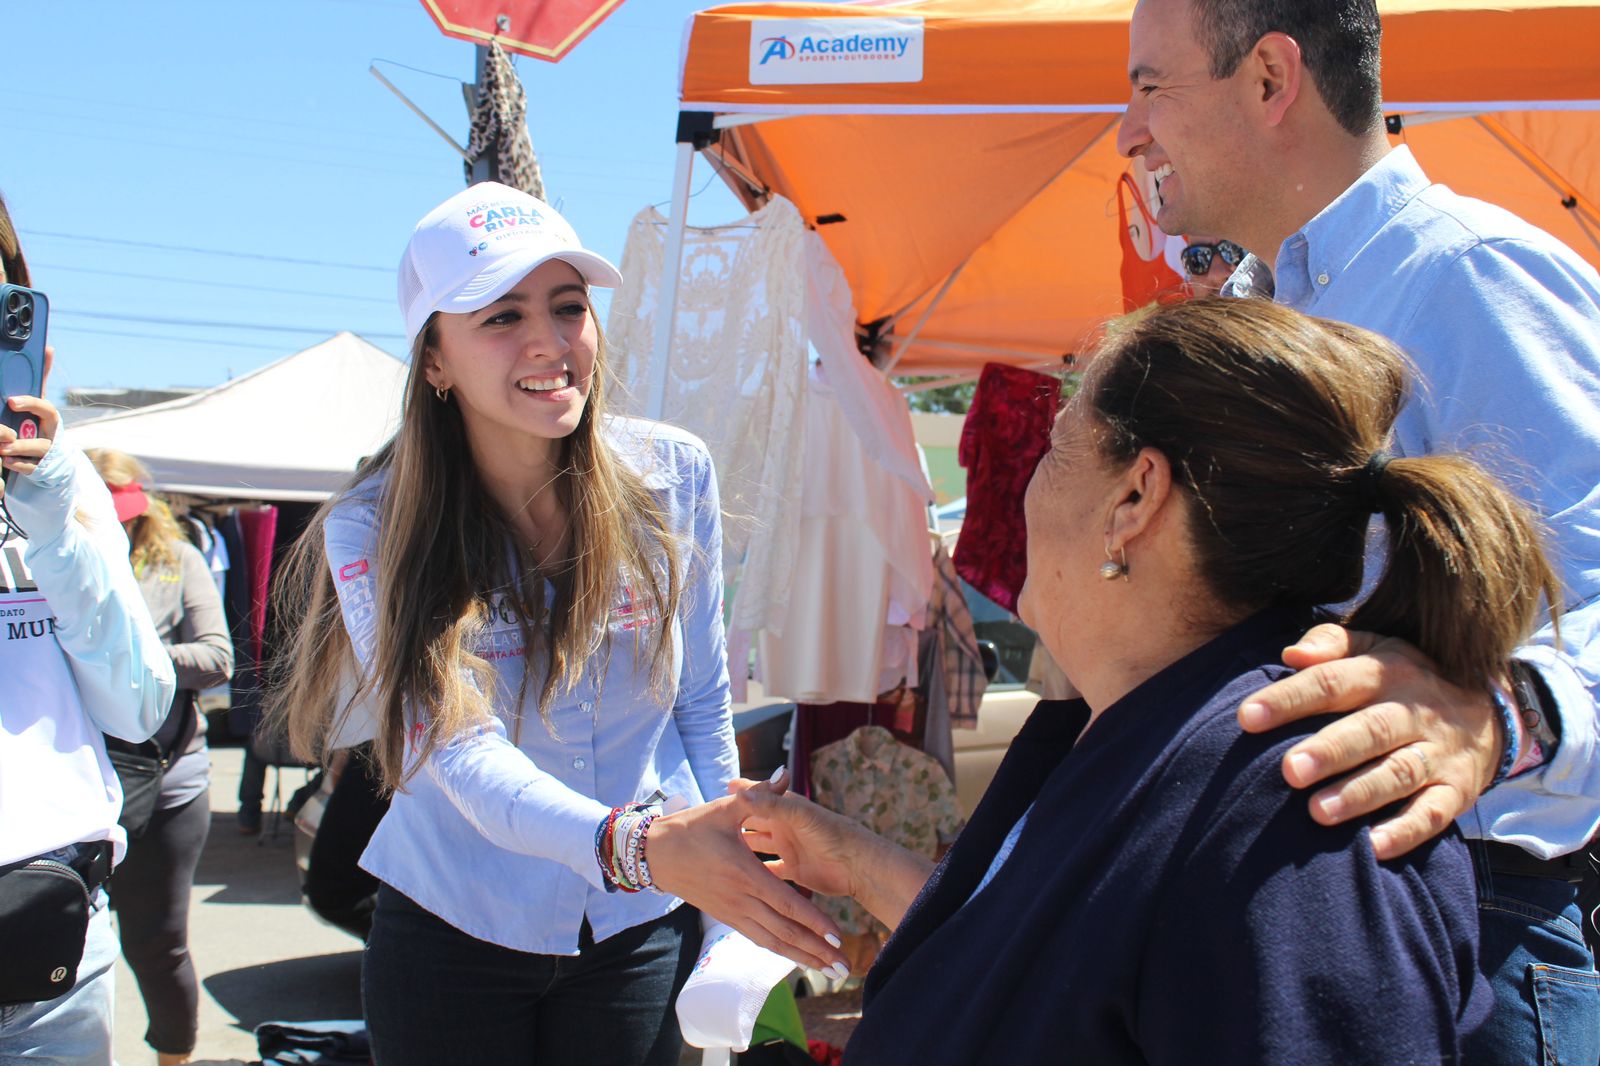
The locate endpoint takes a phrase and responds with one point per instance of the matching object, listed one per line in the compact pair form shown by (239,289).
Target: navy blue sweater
(1170,900)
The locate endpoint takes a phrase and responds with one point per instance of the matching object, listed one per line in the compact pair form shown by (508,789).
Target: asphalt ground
(260,954)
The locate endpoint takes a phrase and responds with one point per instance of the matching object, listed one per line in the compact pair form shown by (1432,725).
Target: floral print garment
(893,789)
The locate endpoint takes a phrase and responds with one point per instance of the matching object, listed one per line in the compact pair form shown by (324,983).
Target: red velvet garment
(1006,433)
(260,527)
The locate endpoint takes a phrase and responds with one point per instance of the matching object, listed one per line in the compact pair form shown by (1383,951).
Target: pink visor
(129,500)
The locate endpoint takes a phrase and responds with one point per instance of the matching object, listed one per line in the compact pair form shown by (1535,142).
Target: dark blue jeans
(434,995)
(1546,990)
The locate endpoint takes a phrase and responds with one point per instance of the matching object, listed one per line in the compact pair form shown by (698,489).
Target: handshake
(707,856)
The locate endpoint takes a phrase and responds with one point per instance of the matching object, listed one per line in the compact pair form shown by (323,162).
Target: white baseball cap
(476,246)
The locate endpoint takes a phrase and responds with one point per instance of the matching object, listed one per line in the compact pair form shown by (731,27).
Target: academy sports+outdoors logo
(815,49)
(835,50)
(776,48)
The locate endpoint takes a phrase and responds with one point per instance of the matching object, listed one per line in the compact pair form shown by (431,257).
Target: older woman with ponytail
(519,601)
(1139,884)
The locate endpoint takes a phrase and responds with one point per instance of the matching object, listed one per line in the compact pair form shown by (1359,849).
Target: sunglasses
(1197,257)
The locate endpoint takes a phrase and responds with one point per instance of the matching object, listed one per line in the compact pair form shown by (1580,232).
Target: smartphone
(24,314)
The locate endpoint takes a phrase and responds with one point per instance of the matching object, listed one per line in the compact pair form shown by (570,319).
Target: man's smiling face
(1188,127)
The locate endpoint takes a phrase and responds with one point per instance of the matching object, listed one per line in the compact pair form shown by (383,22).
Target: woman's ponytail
(1464,574)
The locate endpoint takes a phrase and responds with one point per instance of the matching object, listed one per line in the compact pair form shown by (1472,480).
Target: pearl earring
(1111,569)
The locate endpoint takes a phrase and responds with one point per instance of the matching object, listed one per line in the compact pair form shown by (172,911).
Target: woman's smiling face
(523,366)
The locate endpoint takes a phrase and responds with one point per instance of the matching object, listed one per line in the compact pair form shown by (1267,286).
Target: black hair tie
(1368,478)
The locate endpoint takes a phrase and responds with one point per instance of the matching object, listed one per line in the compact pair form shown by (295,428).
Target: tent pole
(694,127)
(1570,197)
(724,122)
(905,345)
(1011,354)
(889,322)
(969,375)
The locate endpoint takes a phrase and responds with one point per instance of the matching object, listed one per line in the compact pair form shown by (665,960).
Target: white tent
(291,431)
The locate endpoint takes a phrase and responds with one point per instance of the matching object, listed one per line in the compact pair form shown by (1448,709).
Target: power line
(417,70)
(212,149)
(206,251)
(213,284)
(157,320)
(207,341)
(100,105)
(235,121)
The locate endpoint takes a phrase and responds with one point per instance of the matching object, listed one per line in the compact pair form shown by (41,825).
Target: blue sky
(255,130)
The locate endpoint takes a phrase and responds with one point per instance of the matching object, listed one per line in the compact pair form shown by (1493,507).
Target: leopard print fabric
(500,126)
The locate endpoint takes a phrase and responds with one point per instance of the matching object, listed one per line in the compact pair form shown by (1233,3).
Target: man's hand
(1413,735)
(23,455)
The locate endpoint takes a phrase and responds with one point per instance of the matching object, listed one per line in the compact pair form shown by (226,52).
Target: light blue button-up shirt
(1503,323)
(495,832)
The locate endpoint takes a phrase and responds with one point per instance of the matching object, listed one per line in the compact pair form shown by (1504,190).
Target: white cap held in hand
(730,984)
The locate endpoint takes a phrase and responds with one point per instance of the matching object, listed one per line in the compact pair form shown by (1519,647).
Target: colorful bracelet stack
(619,843)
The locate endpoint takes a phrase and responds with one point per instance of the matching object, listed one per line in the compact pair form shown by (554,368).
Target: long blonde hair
(153,536)
(445,548)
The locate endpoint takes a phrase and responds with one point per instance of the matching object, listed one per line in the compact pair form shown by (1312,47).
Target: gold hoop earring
(443,394)
(1111,569)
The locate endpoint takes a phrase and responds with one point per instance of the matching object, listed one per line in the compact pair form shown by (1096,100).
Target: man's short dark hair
(1339,41)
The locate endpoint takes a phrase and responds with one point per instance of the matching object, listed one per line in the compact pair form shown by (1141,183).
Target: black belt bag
(44,922)
(143,766)
(141,769)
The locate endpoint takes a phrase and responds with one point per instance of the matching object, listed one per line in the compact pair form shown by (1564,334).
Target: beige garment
(862,575)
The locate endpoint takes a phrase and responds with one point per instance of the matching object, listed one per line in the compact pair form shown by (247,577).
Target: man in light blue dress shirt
(1262,120)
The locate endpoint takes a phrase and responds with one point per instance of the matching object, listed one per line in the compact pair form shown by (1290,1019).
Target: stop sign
(544,29)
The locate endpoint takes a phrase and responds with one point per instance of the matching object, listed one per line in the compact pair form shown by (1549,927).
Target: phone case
(24,316)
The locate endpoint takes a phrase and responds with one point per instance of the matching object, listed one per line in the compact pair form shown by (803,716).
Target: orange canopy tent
(958,156)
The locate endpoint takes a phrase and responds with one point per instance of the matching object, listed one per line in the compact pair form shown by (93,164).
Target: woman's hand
(829,853)
(697,856)
(814,846)
(23,455)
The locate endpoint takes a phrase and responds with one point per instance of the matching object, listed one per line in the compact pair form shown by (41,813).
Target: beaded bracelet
(602,848)
(619,847)
(645,880)
(630,851)
(1508,723)
(626,877)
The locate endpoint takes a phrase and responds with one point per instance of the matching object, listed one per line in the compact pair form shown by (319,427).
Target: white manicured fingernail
(831,939)
(773,780)
(840,971)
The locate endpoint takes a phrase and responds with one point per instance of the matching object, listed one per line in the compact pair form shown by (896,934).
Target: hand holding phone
(24,316)
(20,454)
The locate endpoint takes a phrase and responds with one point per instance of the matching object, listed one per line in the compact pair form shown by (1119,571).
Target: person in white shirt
(80,656)
(529,591)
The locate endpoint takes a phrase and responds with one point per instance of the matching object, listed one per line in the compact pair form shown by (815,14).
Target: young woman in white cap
(527,592)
